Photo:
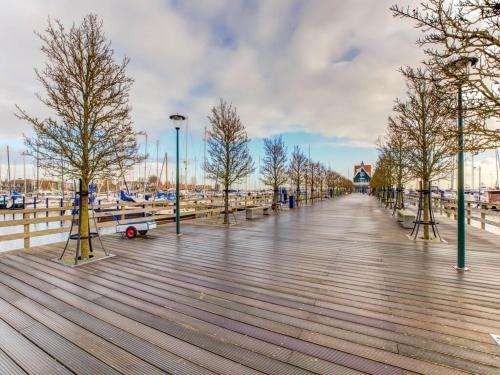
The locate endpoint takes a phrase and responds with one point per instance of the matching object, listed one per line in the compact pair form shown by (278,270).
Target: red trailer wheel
(130,232)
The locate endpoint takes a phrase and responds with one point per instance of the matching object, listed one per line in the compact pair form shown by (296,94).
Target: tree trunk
(226,204)
(275,196)
(84,225)
(297,198)
(426,213)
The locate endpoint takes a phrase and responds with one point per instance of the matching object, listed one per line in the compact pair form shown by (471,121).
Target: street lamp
(176,119)
(461,64)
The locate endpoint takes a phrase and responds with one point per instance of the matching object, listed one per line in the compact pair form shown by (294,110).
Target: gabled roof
(367,168)
(361,174)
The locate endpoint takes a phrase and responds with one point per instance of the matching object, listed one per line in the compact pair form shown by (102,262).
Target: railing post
(483,216)
(26,231)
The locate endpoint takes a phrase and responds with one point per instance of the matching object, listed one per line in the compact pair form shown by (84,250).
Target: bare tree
(297,169)
(424,120)
(458,30)
(320,179)
(228,157)
(274,168)
(89,128)
(396,149)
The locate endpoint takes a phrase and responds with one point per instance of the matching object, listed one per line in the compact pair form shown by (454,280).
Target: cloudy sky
(322,73)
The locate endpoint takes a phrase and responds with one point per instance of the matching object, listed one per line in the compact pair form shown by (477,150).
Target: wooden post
(468,212)
(483,216)
(26,231)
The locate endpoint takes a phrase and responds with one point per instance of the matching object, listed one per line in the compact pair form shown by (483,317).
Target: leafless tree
(424,120)
(464,30)
(274,167)
(87,93)
(297,169)
(320,182)
(229,160)
(396,149)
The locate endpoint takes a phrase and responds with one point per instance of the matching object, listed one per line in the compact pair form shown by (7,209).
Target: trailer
(131,230)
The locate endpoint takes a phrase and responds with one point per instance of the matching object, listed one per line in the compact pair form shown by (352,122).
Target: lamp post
(176,119)
(461,63)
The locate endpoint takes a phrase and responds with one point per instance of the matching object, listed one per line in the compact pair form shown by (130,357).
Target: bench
(406,218)
(251,211)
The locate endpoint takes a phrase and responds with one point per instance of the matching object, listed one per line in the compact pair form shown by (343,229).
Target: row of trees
(462,43)
(88,133)
(229,161)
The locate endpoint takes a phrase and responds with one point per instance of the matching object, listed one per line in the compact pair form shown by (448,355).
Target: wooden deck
(336,288)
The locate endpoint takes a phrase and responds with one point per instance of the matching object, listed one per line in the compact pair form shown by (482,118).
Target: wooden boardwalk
(336,288)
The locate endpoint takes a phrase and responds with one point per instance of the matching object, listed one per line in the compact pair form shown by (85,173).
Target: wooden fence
(484,213)
(25,218)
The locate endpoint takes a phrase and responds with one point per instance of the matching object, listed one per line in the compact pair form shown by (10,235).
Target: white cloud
(281,67)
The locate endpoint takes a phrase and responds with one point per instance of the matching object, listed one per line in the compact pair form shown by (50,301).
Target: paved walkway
(335,288)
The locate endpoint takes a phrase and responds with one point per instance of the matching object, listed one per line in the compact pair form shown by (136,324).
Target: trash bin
(291,201)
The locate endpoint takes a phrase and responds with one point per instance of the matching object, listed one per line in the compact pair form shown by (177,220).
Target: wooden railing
(25,218)
(475,211)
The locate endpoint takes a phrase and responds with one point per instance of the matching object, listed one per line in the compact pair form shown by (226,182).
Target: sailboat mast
(24,172)
(8,170)
(204,158)
(497,159)
(186,158)
(145,160)
(62,178)
(452,172)
(37,172)
(157,163)
(166,170)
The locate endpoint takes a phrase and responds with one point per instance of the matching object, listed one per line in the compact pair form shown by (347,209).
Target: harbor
(243,187)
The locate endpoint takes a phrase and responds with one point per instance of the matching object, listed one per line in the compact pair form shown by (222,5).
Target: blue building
(362,178)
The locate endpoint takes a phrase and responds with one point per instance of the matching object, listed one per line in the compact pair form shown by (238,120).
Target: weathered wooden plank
(28,356)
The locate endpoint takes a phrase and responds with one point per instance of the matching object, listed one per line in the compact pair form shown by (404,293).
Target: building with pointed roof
(362,177)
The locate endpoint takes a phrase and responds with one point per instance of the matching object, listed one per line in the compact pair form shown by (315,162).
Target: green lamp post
(461,64)
(177,118)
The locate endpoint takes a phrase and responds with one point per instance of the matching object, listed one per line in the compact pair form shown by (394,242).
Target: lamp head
(176,119)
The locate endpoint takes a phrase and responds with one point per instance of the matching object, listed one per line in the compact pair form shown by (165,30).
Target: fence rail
(475,211)
(25,218)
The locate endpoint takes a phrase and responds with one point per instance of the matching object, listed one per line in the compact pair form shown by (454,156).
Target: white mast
(452,172)
(145,160)
(24,172)
(195,170)
(166,170)
(157,164)
(497,162)
(204,158)
(8,170)
(186,158)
